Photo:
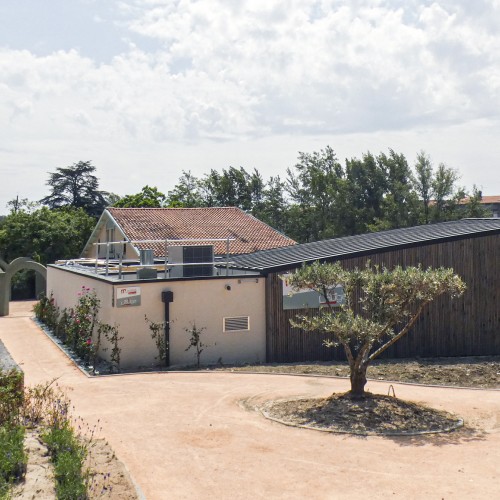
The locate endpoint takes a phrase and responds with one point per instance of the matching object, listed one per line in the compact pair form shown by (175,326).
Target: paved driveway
(187,435)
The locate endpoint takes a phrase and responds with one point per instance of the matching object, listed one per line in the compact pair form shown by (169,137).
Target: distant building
(489,202)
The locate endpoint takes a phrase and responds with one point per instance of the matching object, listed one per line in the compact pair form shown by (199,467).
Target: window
(236,324)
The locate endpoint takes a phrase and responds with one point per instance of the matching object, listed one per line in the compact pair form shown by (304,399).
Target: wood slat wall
(466,326)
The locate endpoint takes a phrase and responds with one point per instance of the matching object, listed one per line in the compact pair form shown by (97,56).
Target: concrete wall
(201,302)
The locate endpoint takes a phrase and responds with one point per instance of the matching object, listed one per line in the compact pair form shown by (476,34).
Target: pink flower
(89,341)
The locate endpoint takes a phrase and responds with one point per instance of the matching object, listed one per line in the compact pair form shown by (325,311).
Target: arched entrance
(6,273)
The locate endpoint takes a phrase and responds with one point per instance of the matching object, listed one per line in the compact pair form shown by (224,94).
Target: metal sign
(306,298)
(128,296)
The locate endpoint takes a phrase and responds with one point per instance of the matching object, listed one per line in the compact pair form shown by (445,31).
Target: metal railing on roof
(166,243)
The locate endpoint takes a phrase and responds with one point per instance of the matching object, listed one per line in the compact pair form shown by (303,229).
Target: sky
(148,88)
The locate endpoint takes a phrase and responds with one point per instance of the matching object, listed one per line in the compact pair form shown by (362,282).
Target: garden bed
(374,414)
(475,371)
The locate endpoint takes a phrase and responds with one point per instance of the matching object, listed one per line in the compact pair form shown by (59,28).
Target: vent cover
(238,323)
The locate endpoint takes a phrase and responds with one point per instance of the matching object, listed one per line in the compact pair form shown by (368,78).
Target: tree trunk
(358,382)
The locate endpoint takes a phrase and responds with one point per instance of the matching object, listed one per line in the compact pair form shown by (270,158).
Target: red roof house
(150,227)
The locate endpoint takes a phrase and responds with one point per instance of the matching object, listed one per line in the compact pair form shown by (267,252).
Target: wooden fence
(469,325)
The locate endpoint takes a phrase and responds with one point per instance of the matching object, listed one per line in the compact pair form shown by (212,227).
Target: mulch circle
(373,415)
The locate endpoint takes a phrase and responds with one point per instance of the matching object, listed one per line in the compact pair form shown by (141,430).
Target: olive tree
(380,306)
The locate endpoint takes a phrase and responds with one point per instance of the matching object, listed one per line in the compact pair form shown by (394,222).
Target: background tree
(446,195)
(186,193)
(424,184)
(234,187)
(274,207)
(149,197)
(380,307)
(440,197)
(45,235)
(399,206)
(16,204)
(472,206)
(324,198)
(365,189)
(316,188)
(77,187)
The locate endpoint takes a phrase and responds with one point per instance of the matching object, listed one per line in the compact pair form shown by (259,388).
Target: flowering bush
(46,311)
(80,327)
(83,322)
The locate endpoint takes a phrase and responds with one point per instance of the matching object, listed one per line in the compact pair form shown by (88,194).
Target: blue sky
(148,88)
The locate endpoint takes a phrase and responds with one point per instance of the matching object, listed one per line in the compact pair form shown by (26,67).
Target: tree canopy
(322,197)
(76,186)
(380,306)
(45,235)
(149,197)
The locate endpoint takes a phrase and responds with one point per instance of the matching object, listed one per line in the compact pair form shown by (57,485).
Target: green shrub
(71,484)
(68,456)
(66,451)
(46,311)
(11,394)
(80,328)
(12,456)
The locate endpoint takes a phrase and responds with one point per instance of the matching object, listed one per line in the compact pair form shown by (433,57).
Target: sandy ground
(189,436)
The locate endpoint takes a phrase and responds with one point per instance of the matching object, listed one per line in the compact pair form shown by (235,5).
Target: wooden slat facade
(466,326)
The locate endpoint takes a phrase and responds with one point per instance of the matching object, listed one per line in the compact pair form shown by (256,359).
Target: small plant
(195,341)
(63,325)
(158,335)
(84,321)
(12,455)
(37,402)
(111,334)
(46,311)
(11,395)
(68,456)
(80,328)
(68,440)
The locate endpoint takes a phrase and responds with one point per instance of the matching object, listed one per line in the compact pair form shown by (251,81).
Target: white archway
(6,273)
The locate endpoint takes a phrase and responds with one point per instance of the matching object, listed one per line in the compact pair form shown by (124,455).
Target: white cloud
(253,68)
(245,70)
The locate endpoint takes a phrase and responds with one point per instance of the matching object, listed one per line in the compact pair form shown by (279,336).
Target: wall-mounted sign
(334,299)
(309,299)
(128,296)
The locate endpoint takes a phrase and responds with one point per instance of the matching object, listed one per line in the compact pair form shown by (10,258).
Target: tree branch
(394,339)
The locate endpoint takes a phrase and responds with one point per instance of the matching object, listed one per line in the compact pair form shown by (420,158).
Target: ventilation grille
(239,323)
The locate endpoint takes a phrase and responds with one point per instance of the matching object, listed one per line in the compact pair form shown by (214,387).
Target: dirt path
(188,435)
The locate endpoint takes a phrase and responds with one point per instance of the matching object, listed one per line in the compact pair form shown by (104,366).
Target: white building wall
(102,236)
(201,302)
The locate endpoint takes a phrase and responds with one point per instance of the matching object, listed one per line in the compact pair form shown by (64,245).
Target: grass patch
(13,458)
(68,456)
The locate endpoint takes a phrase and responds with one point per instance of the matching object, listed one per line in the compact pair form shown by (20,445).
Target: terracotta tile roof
(485,200)
(249,233)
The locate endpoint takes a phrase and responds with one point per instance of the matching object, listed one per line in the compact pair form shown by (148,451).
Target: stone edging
(452,428)
(60,346)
